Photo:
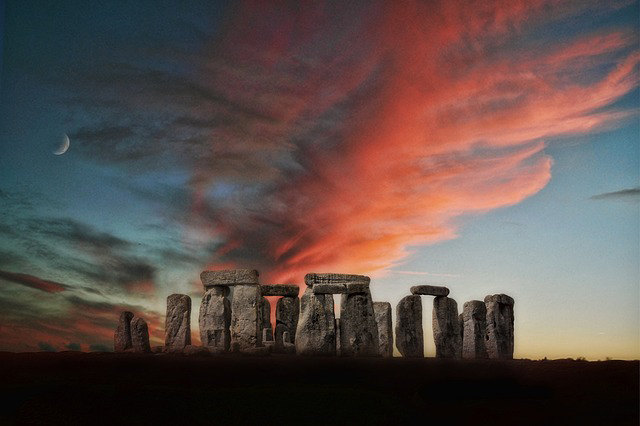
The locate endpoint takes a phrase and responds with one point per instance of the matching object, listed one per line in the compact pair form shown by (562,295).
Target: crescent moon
(64,146)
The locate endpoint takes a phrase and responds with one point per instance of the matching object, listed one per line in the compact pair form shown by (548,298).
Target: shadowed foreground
(76,388)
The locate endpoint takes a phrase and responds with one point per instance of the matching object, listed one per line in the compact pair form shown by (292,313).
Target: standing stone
(338,345)
(316,333)
(265,320)
(358,328)
(140,335)
(122,336)
(446,328)
(499,339)
(287,313)
(409,337)
(474,317)
(246,331)
(177,329)
(215,319)
(382,312)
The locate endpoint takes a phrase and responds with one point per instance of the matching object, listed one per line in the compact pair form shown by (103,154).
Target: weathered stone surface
(316,334)
(215,320)
(284,290)
(312,279)
(474,320)
(177,327)
(499,338)
(338,345)
(346,288)
(287,313)
(122,335)
(246,331)
(358,328)
(265,320)
(446,328)
(382,312)
(140,335)
(218,290)
(289,348)
(192,350)
(409,336)
(228,277)
(429,290)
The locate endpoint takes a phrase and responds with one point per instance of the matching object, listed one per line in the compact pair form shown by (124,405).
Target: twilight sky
(486,146)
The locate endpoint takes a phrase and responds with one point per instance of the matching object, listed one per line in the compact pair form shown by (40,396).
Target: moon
(64,145)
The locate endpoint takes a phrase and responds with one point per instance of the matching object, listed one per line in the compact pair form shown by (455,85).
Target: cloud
(33,282)
(73,346)
(631,195)
(46,347)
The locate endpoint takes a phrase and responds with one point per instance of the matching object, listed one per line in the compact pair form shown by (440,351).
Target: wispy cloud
(33,282)
(431,274)
(629,195)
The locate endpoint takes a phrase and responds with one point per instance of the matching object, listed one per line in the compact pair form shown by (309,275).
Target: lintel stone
(285,290)
(228,277)
(429,290)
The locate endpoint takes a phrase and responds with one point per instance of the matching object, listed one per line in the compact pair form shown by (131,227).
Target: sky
(491,147)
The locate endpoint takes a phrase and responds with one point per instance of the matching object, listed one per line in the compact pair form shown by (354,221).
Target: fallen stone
(284,290)
(246,331)
(140,336)
(229,277)
(265,320)
(446,328)
(429,290)
(177,333)
(192,350)
(382,312)
(346,288)
(358,328)
(500,319)
(316,334)
(409,336)
(312,279)
(287,314)
(215,320)
(122,335)
(474,320)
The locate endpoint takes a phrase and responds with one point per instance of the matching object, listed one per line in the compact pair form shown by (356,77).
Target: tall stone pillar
(287,314)
(265,320)
(140,336)
(474,319)
(358,328)
(122,336)
(499,339)
(177,330)
(215,319)
(246,333)
(409,336)
(382,312)
(316,334)
(446,328)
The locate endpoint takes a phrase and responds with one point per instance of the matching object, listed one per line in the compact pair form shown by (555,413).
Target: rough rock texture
(215,320)
(140,335)
(346,288)
(311,279)
(382,312)
(177,327)
(246,331)
(429,290)
(446,328)
(289,348)
(316,334)
(287,314)
(284,290)
(409,337)
(474,320)
(358,328)
(122,336)
(229,277)
(265,320)
(338,346)
(499,338)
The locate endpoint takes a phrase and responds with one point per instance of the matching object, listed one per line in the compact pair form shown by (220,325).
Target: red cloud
(33,282)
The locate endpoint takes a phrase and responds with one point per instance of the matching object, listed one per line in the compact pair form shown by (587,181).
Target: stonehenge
(235,317)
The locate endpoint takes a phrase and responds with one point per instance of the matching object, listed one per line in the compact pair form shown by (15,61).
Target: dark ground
(77,388)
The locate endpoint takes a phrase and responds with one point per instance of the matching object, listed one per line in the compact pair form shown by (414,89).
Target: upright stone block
(316,334)
(409,336)
(446,328)
(177,329)
(474,319)
(499,339)
(215,320)
(246,332)
(338,345)
(358,328)
(265,320)
(140,336)
(382,312)
(122,335)
(287,314)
